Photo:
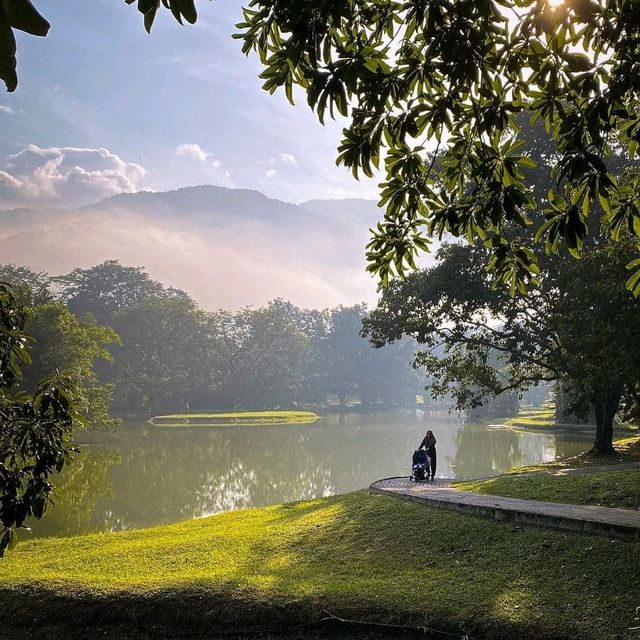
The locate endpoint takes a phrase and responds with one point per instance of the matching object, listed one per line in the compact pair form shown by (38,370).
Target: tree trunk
(606,407)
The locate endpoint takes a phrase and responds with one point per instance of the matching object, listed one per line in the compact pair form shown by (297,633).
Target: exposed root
(328,618)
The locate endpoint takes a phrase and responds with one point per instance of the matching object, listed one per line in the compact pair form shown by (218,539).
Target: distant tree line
(135,346)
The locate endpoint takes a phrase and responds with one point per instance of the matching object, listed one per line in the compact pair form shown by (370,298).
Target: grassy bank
(626,450)
(235,418)
(361,556)
(544,417)
(608,489)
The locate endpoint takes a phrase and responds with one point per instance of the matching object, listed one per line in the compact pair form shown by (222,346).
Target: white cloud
(5,109)
(195,152)
(203,166)
(65,175)
(270,173)
(286,158)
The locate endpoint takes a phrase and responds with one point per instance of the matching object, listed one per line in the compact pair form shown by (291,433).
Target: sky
(102,107)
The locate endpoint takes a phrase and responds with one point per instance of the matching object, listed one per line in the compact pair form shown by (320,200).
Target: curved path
(623,523)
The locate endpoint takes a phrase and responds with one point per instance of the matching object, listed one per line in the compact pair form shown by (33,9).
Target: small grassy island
(358,556)
(235,418)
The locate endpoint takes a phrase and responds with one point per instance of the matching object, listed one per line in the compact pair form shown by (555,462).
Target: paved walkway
(623,523)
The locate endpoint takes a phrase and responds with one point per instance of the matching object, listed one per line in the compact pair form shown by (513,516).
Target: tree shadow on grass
(371,558)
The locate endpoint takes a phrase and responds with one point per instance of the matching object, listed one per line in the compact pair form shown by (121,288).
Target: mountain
(206,203)
(226,247)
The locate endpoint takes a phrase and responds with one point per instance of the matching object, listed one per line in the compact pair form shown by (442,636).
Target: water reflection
(146,475)
(78,491)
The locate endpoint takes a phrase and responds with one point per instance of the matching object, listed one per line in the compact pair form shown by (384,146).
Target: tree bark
(606,406)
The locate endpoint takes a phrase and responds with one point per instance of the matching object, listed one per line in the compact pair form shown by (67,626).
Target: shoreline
(360,556)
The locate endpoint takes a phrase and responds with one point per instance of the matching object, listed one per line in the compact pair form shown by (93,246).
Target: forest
(136,347)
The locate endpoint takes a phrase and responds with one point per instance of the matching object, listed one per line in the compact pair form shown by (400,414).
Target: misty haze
(226,247)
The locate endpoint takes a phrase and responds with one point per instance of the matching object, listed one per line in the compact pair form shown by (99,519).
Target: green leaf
(528,163)
(22,15)
(7,55)
(144,6)
(578,61)
(633,264)
(149,17)
(633,283)
(187,9)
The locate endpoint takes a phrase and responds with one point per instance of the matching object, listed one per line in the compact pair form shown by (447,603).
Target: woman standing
(429,443)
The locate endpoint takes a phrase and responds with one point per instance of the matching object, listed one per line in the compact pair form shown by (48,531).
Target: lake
(146,475)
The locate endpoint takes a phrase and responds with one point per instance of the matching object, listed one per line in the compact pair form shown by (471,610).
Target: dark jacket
(428,443)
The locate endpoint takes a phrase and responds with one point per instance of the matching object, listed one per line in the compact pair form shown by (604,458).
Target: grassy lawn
(607,489)
(236,418)
(359,555)
(629,448)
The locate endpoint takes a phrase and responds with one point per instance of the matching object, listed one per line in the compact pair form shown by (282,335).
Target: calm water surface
(146,475)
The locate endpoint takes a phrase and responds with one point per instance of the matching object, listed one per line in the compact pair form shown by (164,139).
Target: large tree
(345,365)
(63,342)
(580,327)
(164,359)
(262,354)
(31,287)
(454,77)
(106,288)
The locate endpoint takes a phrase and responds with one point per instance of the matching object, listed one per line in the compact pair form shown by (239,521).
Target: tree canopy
(155,350)
(34,429)
(106,288)
(457,74)
(65,342)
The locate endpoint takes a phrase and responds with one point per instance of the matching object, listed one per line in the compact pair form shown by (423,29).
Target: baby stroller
(420,465)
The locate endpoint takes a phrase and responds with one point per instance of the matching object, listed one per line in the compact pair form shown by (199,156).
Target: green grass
(235,418)
(359,555)
(608,489)
(539,417)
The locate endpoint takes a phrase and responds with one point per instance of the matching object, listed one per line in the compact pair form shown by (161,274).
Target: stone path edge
(619,523)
